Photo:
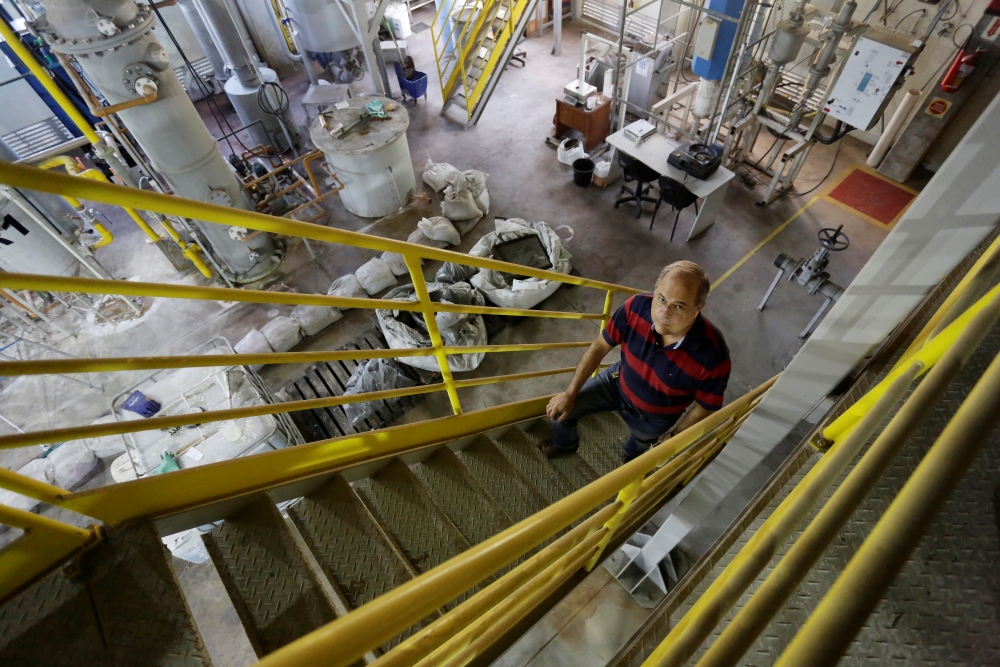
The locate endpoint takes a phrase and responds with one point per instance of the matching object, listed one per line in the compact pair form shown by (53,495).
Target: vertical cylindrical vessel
(371,158)
(113,42)
(321,25)
(243,88)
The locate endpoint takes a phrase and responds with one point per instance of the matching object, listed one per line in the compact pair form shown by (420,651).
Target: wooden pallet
(329,378)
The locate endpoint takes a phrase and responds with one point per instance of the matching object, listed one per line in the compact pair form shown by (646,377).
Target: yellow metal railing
(165,494)
(943,354)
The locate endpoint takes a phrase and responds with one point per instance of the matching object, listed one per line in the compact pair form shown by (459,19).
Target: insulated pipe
(892,129)
(231,45)
(204,37)
(820,68)
(120,55)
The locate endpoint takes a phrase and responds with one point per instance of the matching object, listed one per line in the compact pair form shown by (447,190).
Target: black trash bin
(583,171)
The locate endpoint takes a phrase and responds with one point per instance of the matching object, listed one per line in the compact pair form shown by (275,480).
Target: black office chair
(679,197)
(643,176)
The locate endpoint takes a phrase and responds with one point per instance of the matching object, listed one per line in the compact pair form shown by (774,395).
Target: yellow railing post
(26,486)
(625,498)
(437,344)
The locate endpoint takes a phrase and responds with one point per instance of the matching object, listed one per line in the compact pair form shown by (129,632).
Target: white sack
(439,174)
(282,333)
(405,329)
(440,228)
(108,445)
(253,343)
(373,375)
(313,319)
(347,286)
(570,150)
(72,461)
(396,263)
(419,238)
(460,205)
(602,169)
(475,181)
(519,292)
(375,276)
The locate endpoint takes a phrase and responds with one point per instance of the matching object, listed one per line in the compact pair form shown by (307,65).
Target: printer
(639,131)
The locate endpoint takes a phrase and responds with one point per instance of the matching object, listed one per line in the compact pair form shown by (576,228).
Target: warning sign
(992,30)
(938,107)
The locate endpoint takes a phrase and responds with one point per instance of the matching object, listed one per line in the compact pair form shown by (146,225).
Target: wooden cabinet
(595,125)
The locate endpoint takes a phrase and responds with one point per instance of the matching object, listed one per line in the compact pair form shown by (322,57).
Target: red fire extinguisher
(964,64)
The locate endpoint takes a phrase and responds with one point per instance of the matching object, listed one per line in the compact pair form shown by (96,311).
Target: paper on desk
(194,454)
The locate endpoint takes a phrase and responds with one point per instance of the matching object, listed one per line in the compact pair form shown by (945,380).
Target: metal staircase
(368,529)
(474,41)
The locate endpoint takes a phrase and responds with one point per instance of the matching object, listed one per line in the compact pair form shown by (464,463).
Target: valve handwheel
(833,239)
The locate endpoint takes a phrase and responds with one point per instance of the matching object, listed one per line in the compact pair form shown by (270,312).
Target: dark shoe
(549,449)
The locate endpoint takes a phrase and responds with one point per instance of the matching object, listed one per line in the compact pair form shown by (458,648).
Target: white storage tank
(321,25)
(27,248)
(370,156)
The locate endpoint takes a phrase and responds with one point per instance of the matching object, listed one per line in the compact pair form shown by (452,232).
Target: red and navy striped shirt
(665,380)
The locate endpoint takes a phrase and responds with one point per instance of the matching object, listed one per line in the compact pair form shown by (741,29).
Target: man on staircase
(672,357)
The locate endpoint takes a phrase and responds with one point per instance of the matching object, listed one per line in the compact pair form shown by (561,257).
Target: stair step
(532,465)
(460,497)
(573,468)
(602,437)
(276,594)
(348,544)
(425,535)
(123,607)
(494,472)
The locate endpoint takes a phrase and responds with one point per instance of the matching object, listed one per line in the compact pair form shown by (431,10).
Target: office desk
(654,153)
(594,124)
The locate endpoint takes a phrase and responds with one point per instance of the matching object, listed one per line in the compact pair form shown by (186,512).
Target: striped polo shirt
(660,380)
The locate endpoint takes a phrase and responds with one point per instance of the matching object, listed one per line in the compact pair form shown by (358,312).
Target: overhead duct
(112,41)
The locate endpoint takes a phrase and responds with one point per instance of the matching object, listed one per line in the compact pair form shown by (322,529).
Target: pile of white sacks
(466,200)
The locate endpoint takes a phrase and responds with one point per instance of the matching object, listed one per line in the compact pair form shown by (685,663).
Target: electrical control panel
(874,69)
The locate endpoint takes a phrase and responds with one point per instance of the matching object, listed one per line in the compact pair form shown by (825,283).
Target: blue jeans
(601,394)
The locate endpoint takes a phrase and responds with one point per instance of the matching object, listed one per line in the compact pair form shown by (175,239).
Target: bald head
(689,274)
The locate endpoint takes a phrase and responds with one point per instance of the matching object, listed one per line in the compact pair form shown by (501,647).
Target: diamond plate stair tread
(51,607)
(661,626)
(602,437)
(276,595)
(460,497)
(421,530)
(573,468)
(348,544)
(143,614)
(494,472)
(532,465)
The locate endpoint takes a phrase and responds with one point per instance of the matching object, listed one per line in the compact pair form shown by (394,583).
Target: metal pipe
(830,628)
(29,521)
(367,627)
(767,600)
(64,147)
(820,68)
(204,37)
(32,488)
(231,45)
(697,624)
(34,179)
(44,78)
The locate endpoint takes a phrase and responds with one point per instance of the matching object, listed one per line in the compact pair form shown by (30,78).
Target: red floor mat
(873,197)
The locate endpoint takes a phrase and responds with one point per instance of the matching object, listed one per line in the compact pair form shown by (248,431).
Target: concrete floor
(525,180)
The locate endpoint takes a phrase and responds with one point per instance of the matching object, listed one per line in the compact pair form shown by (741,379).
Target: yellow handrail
(927,356)
(757,612)
(853,596)
(24,176)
